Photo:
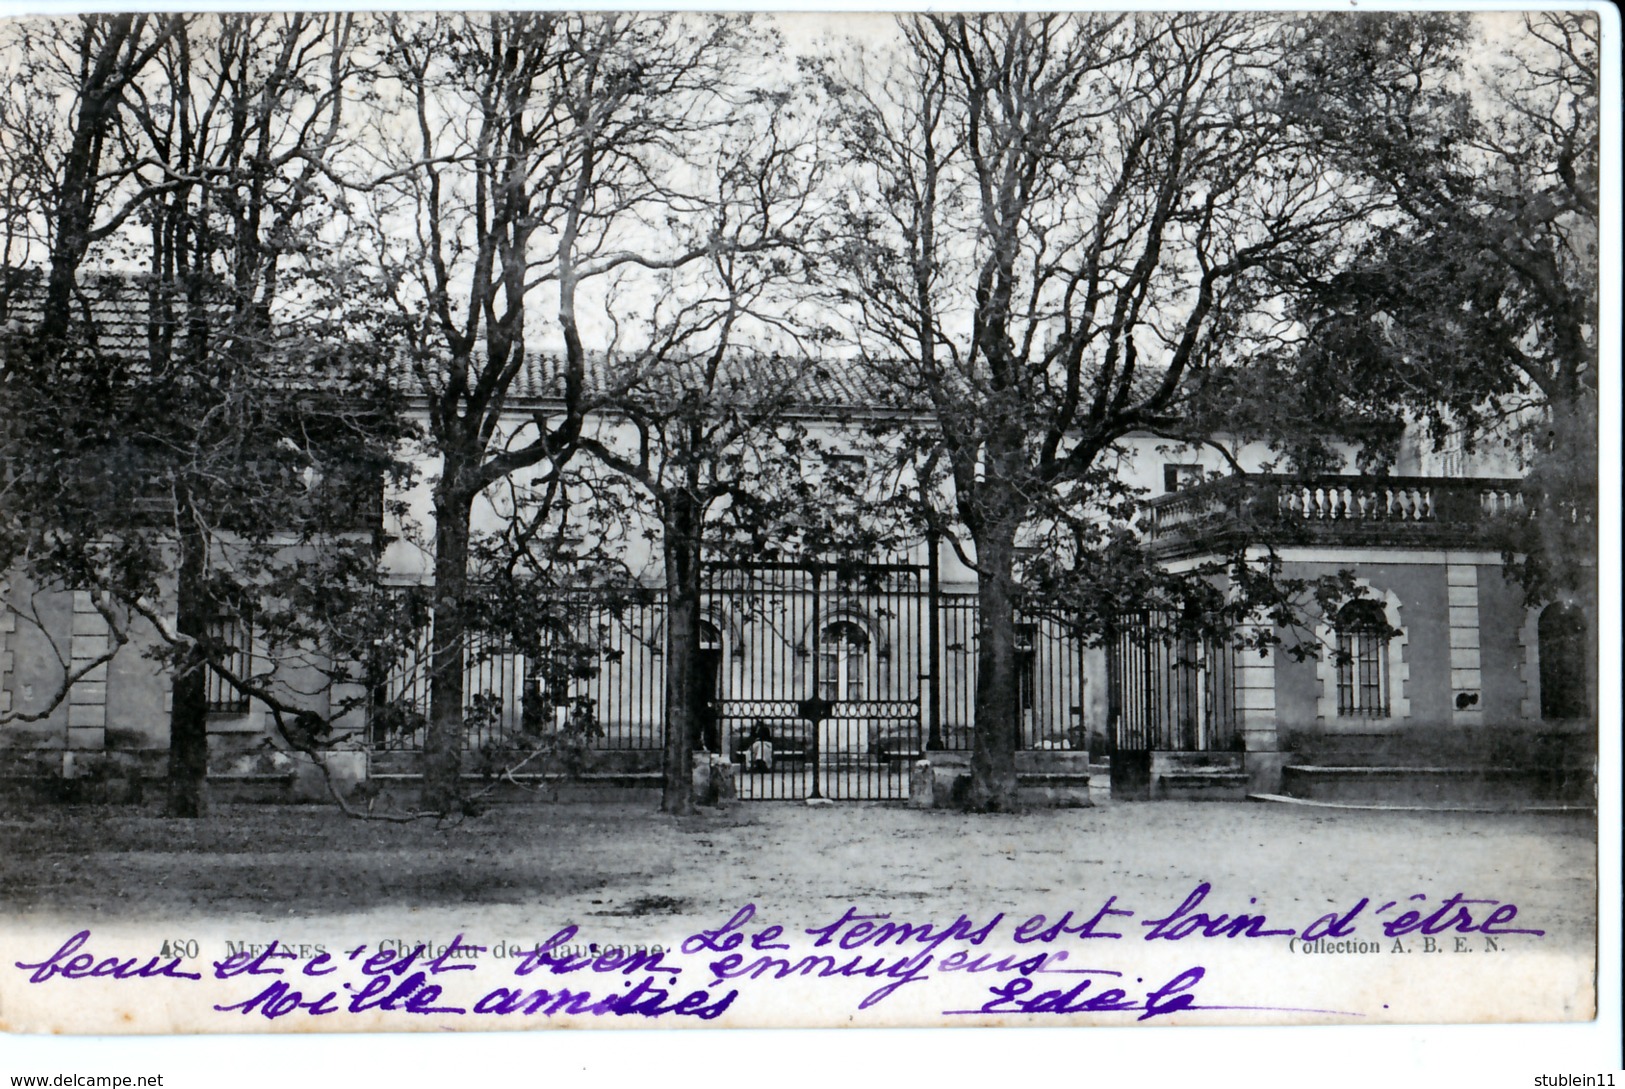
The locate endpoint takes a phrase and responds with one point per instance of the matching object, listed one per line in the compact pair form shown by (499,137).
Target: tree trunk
(189,699)
(993,757)
(1553,549)
(684,710)
(1568,521)
(76,183)
(443,745)
(682,667)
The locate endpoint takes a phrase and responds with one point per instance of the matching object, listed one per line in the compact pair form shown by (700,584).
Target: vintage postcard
(638,520)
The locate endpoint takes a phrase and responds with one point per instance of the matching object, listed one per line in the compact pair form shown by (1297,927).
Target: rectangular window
(231,644)
(841,673)
(829,668)
(855,663)
(1362,673)
(843,662)
(1177,478)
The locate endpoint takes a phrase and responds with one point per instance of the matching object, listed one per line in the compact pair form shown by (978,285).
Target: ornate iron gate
(826,679)
(819,670)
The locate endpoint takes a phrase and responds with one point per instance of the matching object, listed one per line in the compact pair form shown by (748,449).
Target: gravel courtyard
(628,863)
(628,876)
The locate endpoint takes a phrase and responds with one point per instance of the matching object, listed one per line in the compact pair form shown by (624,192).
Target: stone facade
(1460,673)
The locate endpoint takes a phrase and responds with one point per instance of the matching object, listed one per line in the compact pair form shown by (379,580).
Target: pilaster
(1466,668)
(87,700)
(1256,719)
(8,624)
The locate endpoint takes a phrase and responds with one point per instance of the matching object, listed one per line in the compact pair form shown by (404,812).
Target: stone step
(1435,784)
(1503,745)
(1438,807)
(1202,784)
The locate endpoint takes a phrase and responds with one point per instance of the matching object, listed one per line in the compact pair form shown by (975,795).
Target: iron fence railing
(836,669)
(1049,675)
(1169,692)
(603,669)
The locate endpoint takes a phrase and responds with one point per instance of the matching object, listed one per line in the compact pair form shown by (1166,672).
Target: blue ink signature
(1174,996)
(1185,920)
(68,963)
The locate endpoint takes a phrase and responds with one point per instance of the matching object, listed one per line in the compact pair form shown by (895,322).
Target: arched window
(1563,652)
(1362,660)
(843,662)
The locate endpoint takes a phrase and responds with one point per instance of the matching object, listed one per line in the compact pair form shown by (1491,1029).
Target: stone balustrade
(1365,510)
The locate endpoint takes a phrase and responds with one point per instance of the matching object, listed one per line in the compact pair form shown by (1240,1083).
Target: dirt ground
(638,871)
(628,874)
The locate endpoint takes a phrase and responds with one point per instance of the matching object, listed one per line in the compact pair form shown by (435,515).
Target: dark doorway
(1026,678)
(708,686)
(1563,652)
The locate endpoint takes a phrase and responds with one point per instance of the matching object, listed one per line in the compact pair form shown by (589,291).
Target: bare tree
(62,192)
(1063,222)
(550,157)
(198,416)
(234,134)
(91,62)
(1477,307)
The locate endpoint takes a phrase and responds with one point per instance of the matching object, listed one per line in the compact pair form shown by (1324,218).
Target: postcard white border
(1364,1056)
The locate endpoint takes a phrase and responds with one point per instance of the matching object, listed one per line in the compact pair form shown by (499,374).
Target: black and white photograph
(640,520)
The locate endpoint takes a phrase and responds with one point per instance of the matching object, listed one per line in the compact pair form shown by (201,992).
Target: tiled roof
(813,383)
(117,307)
(110,315)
